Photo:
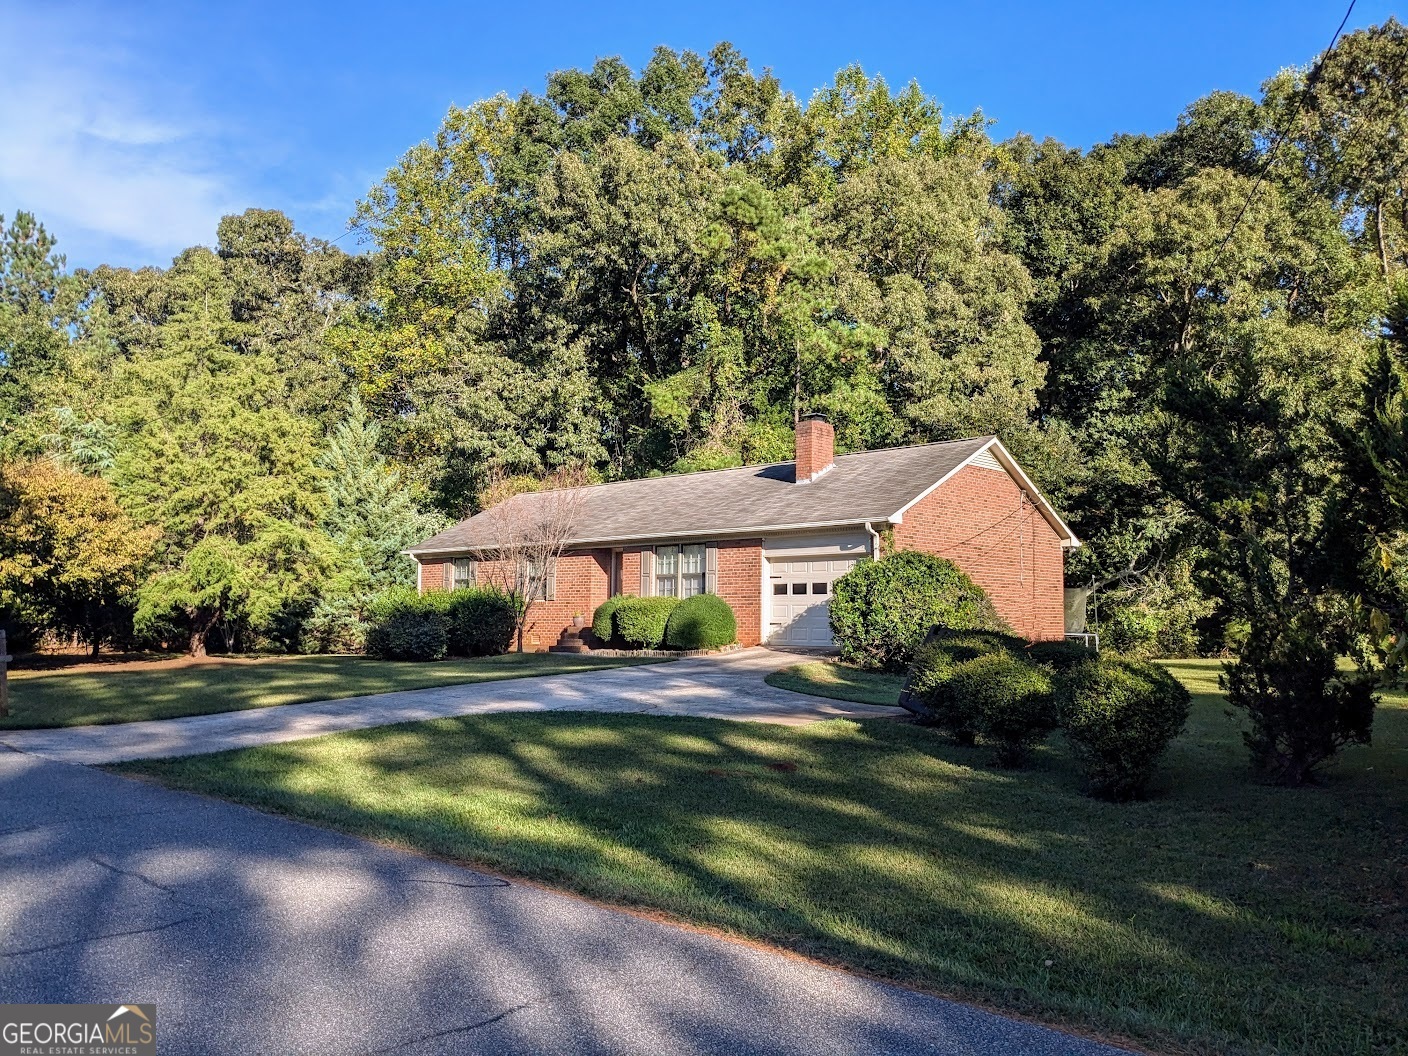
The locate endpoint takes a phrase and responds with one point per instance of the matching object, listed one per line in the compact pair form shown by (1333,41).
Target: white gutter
(874,542)
(696,533)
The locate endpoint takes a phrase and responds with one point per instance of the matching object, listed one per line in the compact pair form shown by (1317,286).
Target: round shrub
(408,635)
(604,620)
(926,693)
(1009,701)
(641,621)
(969,645)
(1060,656)
(480,621)
(704,621)
(1120,716)
(402,599)
(882,610)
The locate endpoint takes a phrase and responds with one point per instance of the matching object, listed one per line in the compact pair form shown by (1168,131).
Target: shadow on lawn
(168,690)
(1225,911)
(264,937)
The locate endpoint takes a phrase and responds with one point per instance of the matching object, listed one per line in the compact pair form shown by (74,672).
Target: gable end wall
(979,520)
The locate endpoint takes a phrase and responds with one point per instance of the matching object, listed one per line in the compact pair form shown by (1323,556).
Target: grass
(825,678)
(40,700)
(1222,915)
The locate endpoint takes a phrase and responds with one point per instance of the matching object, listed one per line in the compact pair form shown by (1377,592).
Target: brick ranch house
(770,540)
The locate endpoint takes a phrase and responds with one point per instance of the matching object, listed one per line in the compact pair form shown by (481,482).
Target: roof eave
(1005,459)
(650,537)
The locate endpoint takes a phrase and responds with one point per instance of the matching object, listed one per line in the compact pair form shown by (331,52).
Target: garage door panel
(800,594)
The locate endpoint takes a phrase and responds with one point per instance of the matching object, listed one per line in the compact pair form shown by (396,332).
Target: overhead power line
(1282,133)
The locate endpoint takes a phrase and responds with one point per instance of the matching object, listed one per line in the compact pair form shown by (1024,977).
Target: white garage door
(800,598)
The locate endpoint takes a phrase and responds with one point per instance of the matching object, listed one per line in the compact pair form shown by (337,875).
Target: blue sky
(130,128)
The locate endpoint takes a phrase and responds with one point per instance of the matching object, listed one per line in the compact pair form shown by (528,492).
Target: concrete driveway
(255,934)
(728,686)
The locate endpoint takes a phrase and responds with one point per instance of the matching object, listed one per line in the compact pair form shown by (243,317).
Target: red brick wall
(432,575)
(816,447)
(630,570)
(740,582)
(979,521)
(582,583)
(741,585)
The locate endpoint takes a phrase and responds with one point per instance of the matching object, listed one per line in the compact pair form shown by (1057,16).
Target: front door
(800,599)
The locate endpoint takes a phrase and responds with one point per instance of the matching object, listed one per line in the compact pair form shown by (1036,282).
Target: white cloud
(99,153)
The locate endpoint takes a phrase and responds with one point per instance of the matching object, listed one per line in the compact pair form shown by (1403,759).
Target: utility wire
(1282,133)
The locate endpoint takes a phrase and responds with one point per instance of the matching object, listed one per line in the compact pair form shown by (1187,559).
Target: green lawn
(166,690)
(825,678)
(1221,916)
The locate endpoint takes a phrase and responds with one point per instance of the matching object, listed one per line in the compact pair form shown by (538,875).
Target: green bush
(1119,716)
(1060,656)
(641,621)
(396,600)
(928,693)
(1011,703)
(473,621)
(604,620)
(1302,709)
(335,626)
(882,610)
(968,645)
(480,621)
(704,621)
(408,634)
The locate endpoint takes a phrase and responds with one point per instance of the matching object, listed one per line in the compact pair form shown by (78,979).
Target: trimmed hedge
(473,621)
(1060,656)
(1119,716)
(480,621)
(983,683)
(881,611)
(927,695)
(929,686)
(408,635)
(641,622)
(604,620)
(1013,703)
(968,645)
(704,621)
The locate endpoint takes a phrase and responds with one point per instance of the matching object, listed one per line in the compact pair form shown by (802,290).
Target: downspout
(874,542)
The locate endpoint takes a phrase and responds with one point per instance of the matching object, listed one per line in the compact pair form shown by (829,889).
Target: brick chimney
(816,447)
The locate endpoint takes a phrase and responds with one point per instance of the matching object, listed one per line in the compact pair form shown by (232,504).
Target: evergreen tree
(369,511)
(210,453)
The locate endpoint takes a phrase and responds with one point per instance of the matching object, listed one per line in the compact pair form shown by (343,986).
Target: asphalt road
(258,935)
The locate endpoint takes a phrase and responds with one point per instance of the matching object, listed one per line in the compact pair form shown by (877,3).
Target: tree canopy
(1184,337)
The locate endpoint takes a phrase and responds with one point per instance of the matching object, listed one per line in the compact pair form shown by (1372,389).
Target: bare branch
(531,524)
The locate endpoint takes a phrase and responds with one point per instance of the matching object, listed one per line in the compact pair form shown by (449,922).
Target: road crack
(449,1032)
(100,937)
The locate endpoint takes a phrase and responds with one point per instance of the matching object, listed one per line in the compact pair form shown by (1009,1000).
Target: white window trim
(455,572)
(679,572)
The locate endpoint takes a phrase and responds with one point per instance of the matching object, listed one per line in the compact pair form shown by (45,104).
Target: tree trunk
(94,652)
(200,631)
(1379,234)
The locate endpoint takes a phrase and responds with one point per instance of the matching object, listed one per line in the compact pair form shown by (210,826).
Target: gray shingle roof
(865,486)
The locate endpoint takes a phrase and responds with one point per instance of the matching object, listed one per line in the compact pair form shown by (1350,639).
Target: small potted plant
(578,621)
